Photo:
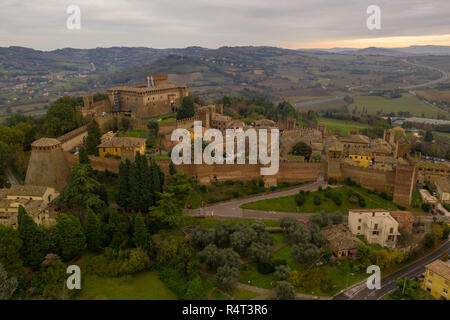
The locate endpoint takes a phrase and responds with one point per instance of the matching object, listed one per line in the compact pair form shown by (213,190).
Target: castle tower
(405,176)
(48,165)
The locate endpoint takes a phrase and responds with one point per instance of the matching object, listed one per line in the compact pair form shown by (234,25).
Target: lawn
(340,275)
(142,286)
(407,103)
(341,127)
(227,190)
(288,204)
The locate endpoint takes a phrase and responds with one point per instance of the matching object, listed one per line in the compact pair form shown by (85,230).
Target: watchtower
(48,166)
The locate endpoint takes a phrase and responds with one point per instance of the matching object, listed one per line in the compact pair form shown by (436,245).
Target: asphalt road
(388,283)
(231,208)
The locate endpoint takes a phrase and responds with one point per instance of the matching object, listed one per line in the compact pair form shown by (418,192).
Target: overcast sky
(41,24)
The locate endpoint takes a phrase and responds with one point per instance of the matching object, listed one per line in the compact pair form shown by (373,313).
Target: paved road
(231,208)
(388,283)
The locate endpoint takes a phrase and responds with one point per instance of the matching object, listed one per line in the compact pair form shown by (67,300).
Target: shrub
(284,291)
(266,268)
(336,199)
(282,272)
(317,200)
(300,199)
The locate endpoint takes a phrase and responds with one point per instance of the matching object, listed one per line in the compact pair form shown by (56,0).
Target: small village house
(122,147)
(376,225)
(437,279)
(443,189)
(341,241)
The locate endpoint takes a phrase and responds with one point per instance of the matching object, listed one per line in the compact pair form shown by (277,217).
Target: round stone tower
(48,165)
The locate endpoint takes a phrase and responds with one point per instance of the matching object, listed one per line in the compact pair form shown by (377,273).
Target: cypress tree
(94,138)
(140,233)
(123,192)
(135,187)
(83,156)
(36,240)
(93,231)
(103,194)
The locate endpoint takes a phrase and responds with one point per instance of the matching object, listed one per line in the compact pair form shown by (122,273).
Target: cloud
(213,23)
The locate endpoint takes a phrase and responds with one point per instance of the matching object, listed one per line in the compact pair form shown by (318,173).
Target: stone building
(376,225)
(35,200)
(341,241)
(405,220)
(156,97)
(48,165)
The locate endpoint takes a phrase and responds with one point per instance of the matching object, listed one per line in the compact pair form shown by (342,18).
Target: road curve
(389,283)
(232,208)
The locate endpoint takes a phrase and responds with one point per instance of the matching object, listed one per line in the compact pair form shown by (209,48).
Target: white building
(376,225)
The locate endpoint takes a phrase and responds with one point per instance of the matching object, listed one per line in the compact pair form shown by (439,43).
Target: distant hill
(393,52)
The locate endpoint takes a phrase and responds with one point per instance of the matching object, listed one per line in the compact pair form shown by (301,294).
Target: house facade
(437,279)
(377,226)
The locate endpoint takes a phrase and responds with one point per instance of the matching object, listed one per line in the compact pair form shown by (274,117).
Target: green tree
(302,149)
(227,277)
(7,285)
(172,169)
(305,253)
(94,138)
(428,136)
(123,190)
(284,291)
(93,231)
(141,236)
(36,240)
(10,246)
(187,108)
(69,237)
(83,156)
(82,191)
(167,211)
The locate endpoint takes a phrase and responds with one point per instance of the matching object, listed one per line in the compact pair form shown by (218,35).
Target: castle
(155,98)
(382,165)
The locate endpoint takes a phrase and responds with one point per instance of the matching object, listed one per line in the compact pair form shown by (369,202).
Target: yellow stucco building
(437,279)
(121,147)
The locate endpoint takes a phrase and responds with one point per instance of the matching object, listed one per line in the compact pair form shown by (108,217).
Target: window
(376,226)
(359,220)
(359,227)
(430,273)
(430,282)
(375,233)
(446,282)
(444,291)
(391,230)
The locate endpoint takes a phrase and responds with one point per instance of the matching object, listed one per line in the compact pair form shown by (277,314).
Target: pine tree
(93,231)
(140,233)
(36,240)
(94,138)
(147,193)
(156,178)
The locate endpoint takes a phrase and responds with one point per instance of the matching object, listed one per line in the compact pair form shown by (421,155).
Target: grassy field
(341,275)
(288,204)
(407,103)
(142,286)
(226,190)
(341,127)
